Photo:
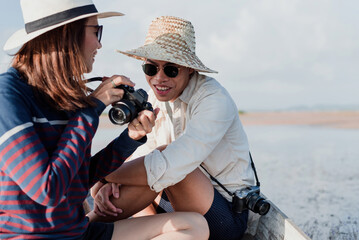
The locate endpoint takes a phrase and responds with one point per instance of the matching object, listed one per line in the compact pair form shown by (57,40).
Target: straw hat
(170,39)
(41,16)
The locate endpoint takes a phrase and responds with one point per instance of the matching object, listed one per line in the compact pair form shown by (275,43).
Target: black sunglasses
(98,32)
(151,70)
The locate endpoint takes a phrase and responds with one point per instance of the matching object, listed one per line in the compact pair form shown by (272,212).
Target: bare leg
(196,188)
(180,225)
(198,191)
(150,209)
(132,200)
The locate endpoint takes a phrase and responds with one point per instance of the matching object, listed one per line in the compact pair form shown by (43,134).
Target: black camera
(250,198)
(129,106)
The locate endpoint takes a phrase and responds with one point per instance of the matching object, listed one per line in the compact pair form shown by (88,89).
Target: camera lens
(262,207)
(258,204)
(122,112)
(119,116)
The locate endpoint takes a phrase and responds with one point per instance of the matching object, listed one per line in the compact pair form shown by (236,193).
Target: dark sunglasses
(98,32)
(151,70)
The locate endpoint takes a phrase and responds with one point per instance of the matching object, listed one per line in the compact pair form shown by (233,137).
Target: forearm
(130,173)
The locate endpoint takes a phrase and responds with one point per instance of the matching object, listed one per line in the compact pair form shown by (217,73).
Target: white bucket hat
(170,39)
(41,16)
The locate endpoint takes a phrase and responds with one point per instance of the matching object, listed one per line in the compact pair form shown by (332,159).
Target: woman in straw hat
(199,123)
(47,125)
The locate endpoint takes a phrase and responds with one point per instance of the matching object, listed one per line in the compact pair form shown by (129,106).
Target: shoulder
(209,89)
(14,91)
(11,82)
(210,99)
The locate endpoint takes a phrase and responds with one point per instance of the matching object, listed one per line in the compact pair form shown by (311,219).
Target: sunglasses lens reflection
(171,71)
(151,70)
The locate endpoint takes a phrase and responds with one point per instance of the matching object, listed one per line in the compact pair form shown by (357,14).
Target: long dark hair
(53,65)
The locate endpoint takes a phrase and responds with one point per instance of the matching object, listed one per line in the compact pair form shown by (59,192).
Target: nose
(161,76)
(99,45)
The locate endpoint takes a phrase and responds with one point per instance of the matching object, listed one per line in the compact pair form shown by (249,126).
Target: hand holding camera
(127,109)
(129,106)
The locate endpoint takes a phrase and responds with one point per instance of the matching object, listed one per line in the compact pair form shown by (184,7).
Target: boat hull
(275,225)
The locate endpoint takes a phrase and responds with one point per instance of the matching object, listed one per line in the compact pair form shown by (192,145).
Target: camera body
(127,109)
(250,198)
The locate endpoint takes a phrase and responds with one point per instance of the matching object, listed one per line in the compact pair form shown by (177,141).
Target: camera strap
(94,79)
(223,187)
(254,170)
(220,184)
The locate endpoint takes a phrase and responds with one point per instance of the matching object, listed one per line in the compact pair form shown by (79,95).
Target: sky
(270,55)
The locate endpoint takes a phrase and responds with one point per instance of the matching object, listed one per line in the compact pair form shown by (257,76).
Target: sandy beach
(333,119)
(307,164)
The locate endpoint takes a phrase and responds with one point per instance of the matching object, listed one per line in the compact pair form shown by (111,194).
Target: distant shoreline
(332,119)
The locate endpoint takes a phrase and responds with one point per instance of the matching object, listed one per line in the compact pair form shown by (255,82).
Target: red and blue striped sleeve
(44,176)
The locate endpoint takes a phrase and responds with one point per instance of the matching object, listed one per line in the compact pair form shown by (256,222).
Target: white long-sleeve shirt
(202,126)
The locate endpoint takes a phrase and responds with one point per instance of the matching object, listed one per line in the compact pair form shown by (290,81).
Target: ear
(191,70)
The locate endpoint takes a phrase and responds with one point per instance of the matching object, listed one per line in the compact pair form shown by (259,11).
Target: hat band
(59,17)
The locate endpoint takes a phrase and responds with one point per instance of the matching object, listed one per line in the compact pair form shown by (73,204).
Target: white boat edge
(275,225)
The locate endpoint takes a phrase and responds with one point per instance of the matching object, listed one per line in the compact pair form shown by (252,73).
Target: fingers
(103,205)
(145,121)
(142,125)
(97,211)
(107,91)
(96,188)
(156,111)
(136,130)
(116,190)
(117,80)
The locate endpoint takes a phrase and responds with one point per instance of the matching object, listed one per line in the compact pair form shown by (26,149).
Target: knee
(200,226)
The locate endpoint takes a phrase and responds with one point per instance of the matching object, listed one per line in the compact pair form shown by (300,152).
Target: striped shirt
(46,168)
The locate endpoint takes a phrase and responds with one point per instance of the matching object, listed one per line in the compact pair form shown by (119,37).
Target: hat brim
(155,52)
(21,36)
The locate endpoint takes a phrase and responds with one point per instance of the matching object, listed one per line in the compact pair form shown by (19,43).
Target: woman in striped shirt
(47,123)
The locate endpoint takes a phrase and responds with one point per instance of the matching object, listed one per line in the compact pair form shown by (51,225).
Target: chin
(88,69)
(162,98)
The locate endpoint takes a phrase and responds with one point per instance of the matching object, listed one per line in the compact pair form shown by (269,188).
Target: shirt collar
(190,89)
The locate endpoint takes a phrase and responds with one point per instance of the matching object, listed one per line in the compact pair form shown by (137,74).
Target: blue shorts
(222,221)
(98,231)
